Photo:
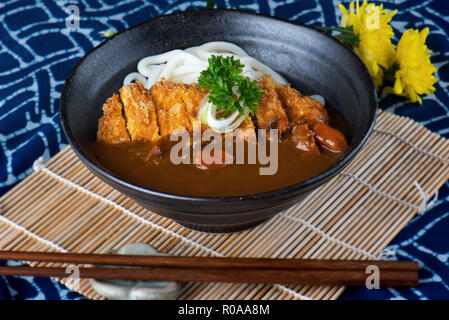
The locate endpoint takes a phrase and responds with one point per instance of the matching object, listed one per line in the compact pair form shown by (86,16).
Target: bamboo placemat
(63,207)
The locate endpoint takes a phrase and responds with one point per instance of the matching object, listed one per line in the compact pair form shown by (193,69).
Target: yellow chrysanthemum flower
(370,24)
(414,74)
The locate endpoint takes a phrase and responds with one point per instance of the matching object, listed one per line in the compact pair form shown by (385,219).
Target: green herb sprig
(224,73)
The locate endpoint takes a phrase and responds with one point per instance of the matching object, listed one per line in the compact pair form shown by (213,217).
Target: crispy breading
(301,108)
(304,139)
(140,112)
(270,114)
(246,130)
(192,97)
(112,126)
(170,108)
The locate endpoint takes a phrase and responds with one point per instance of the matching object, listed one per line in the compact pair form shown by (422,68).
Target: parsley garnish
(220,77)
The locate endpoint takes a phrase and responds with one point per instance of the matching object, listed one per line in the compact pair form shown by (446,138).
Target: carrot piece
(329,137)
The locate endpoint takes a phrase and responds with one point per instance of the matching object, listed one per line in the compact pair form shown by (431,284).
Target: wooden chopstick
(390,278)
(205,262)
(213,269)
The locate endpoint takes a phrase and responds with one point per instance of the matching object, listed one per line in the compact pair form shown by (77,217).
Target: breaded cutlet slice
(270,114)
(301,108)
(140,112)
(246,130)
(192,97)
(112,126)
(304,140)
(170,108)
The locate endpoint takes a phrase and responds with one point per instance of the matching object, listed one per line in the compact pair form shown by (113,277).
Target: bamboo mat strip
(63,207)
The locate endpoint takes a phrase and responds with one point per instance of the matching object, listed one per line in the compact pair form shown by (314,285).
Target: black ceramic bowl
(309,59)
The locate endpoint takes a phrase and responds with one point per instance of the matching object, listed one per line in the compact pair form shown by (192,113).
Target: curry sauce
(129,161)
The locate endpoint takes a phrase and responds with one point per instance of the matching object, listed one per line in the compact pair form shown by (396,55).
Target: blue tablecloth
(37,52)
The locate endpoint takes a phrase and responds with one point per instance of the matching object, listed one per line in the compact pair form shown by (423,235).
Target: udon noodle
(185,66)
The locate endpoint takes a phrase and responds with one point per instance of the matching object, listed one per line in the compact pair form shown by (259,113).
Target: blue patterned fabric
(37,52)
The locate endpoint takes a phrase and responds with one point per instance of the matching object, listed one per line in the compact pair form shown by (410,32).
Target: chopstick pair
(212,269)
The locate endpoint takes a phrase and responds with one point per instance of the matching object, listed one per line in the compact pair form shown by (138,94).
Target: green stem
(342,30)
(350,41)
(346,36)
(389,74)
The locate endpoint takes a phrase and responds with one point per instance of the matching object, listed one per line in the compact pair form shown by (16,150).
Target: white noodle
(319,98)
(134,76)
(259,66)
(222,46)
(185,66)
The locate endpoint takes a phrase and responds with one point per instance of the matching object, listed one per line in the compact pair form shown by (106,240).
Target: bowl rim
(291,189)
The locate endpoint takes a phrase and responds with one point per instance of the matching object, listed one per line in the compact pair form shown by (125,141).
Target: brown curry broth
(127,161)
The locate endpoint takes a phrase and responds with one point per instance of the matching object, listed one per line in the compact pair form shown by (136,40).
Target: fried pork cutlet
(192,97)
(112,126)
(270,114)
(246,130)
(170,108)
(140,112)
(301,108)
(304,139)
